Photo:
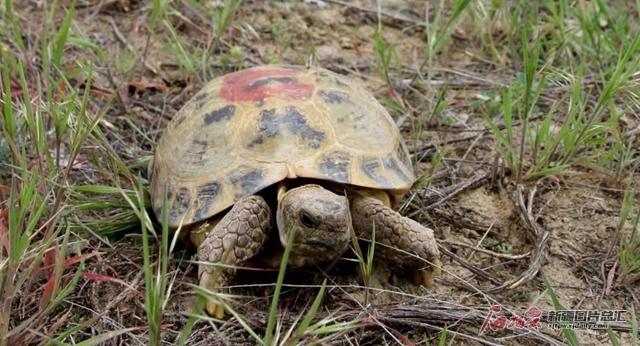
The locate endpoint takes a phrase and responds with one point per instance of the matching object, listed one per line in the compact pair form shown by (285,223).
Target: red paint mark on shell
(255,85)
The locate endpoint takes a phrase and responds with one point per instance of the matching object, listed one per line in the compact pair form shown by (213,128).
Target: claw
(425,277)
(214,309)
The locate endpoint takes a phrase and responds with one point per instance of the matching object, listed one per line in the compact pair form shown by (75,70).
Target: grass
(72,159)
(629,254)
(588,133)
(156,284)
(568,333)
(439,31)
(273,310)
(386,55)
(365,263)
(635,337)
(37,270)
(274,333)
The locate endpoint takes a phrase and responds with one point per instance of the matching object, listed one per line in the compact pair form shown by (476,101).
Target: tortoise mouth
(319,249)
(317,245)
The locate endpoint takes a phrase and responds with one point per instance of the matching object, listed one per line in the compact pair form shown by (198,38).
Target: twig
(472,268)
(439,144)
(130,47)
(468,138)
(540,236)
(433,327)
(460,320)
(484,236)
(120,36)
(116,89)
(452,191)
(632,132)
(488,252)
(456,168)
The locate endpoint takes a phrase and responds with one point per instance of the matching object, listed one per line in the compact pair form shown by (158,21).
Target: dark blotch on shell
(390,164)
(264,81)
(206,195)
(225,112)
(334,97)
(180,204)
(335,166)
(250,182)
(269,123)
(272,120)
(372,168)
(200,142)
(256,141)
(297,124)
(198,148)
(403,156)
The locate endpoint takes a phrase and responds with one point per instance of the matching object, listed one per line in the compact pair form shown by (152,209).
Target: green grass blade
(63,35)
(612,337)
(224,17)
(442,340)
(273,310)
(102,338)
(569,334)
(313,310)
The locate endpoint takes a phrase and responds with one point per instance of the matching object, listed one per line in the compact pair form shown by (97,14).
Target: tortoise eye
(307,220)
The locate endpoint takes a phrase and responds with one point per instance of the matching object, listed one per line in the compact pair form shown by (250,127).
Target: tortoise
(302,146)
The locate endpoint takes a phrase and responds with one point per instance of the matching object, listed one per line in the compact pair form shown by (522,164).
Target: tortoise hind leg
(397,232)
(239,236)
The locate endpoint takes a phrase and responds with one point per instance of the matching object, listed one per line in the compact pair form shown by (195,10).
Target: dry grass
(522,121)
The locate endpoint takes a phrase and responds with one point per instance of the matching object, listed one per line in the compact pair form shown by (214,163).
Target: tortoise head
(320,220)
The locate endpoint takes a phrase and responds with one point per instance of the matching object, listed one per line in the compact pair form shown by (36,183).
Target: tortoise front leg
(239,236)
(397,232)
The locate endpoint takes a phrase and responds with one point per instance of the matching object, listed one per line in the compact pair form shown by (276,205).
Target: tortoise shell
(250,129)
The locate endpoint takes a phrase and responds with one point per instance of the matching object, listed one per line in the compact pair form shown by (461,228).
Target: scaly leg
(240,235)
(397,231)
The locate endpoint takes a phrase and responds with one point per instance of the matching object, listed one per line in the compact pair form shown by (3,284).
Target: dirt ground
(496,249)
